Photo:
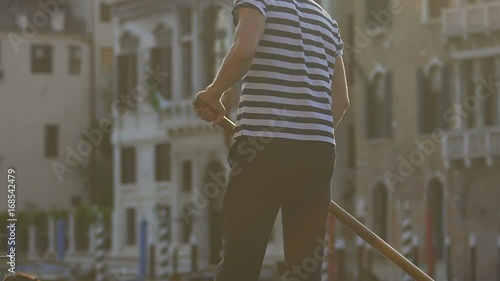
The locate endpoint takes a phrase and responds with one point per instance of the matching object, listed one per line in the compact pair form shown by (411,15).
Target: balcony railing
(470,145)
(181,116)
(471,19)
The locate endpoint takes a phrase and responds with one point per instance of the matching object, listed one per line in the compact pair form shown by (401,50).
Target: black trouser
(266,175)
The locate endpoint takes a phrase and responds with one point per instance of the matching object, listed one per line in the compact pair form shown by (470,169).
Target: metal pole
(430,245)
(143,250)
(448,259)
(369,263)
(61,239)
(415,250)
(360,244)
(472,245)
(498,258)
(340,257)
(352,223)
(194,253)
(331,244)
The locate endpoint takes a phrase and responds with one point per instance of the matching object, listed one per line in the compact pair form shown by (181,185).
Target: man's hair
(20,277)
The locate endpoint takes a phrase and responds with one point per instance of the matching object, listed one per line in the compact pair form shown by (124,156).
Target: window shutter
(421,88)
(388,106)
(445,98)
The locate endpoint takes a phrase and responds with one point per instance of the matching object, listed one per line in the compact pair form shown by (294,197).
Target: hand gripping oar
(362,231)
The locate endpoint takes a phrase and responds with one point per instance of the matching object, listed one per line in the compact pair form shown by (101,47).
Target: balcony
(180,117)
(471,145)
(466,20)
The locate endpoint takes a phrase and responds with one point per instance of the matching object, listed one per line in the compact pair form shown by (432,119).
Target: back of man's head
(20,277)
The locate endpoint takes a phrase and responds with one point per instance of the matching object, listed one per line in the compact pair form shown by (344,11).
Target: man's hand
(214,111)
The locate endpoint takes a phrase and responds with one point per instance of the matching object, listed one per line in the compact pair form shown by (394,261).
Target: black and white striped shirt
(286,93)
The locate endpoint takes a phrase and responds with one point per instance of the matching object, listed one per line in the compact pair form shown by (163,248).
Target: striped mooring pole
(407,238)
(164,229)
(100,266)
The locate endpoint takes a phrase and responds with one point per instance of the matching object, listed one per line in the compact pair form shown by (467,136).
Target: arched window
(433,94)
(436,206)
(161,58)
(379,106)
(380,210)
(127,65)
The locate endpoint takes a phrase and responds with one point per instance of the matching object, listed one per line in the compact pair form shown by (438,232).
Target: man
(294,93)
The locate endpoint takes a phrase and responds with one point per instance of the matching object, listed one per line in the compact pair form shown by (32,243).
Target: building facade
(44,84)
(426,105)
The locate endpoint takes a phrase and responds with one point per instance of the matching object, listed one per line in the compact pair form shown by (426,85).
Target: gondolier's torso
(287,91)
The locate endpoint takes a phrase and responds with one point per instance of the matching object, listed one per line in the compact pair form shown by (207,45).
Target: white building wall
(30,101)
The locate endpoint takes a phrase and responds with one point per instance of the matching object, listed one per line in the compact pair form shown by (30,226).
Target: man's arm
(250,28)
(340,95)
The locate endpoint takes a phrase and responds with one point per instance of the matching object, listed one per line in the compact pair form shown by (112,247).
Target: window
(379,107)
(127,75)
(41,59)
(161,61)
(131,226)
(186,20)
(105,12)
(468,91)
(106,148)
(380,212)
(128,165)
(187,176)
(433,94)
(76,201)
(51,140)
(75,59)
(187,68)
(187,52)
(106,62)
(434,8)
(186,230)
(490,104)
(378,13)
(162,162)
(435,204)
